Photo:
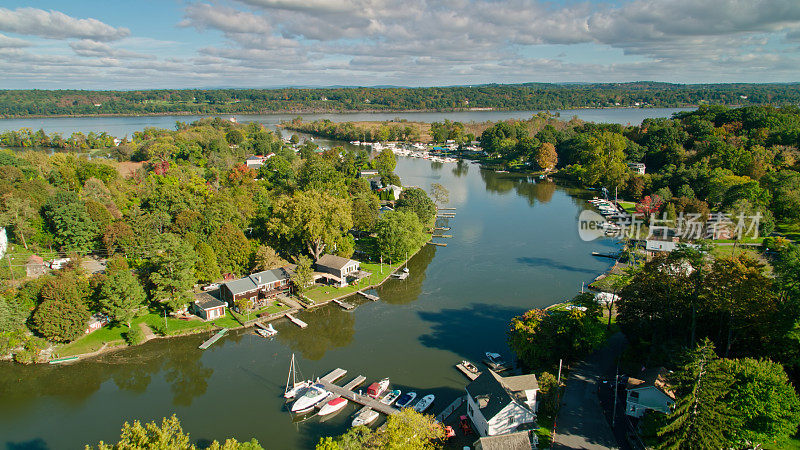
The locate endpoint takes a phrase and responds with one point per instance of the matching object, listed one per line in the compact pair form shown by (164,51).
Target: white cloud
(90,48)
(56,25)
(9,42)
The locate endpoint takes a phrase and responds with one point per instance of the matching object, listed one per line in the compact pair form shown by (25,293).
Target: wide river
(515,246)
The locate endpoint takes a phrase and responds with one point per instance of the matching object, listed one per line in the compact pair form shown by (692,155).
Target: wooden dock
(344,305)
(442,416)
(446,209)
(333,375)
(374,298)
(365,400)
(471,375)
(442,228)
(213,339)
(296,321)
(400,275)
(442,235)
(606,255)
(355,382)
(437,243)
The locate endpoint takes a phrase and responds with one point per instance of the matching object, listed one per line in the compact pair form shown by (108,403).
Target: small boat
(333,405)
(391,397)
(406,399)
(365,417)
(267,332)
(469,366)
(315,394)
(495,362)
(379,387)
(424,404)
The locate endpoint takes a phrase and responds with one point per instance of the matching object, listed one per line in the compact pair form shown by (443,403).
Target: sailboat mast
(290,375)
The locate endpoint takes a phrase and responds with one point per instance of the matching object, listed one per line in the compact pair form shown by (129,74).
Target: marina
(346,392)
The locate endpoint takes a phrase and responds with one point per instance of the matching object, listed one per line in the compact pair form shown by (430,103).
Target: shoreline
(326,111)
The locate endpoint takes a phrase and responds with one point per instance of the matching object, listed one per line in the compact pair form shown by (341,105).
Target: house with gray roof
(207,306)
(501,405)
(340,271)
(520,440)
(257,288)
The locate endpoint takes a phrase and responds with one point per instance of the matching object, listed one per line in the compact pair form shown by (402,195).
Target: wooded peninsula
(528,96)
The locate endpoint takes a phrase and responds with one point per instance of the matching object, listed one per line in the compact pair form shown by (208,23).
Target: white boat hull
(327,408)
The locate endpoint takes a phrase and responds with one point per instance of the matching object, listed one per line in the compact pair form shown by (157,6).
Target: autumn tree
(17,214)
(265,258)
(302,276)
(312,219)
(546,157)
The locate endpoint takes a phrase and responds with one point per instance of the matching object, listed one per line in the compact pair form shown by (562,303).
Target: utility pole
(559,371)
(616,386)
(166,328)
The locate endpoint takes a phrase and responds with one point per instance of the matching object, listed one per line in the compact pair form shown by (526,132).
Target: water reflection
(461,168)
(332,328)
(532,189)
(401,292)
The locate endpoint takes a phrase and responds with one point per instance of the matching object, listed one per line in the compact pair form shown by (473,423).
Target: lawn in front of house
(271,308)
(174,326)
(113,335)
(321,294)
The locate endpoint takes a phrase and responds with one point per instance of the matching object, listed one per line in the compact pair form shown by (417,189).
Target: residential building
(649,391)
(35,266)
(637,168)
(257,288)
(256,161)
(654,244)
(96,322)
(208,307)
(340,271)
(501,405)
(395,191)
(520,440)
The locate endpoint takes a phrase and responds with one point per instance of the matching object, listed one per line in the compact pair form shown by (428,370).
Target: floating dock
(296,321)
(374,298)
(334,375)
(442,228)
(355,382)
(442,235)
(400,275)
(63,360)
(446,209)
(344,305)
(213,339)
(365,400)
(605,255)
(442,416)
(471,375)
(437,243)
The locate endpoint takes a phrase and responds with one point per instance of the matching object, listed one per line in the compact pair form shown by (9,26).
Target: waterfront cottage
(96,322)
(341,271)
(649,391)
(501,405)
(208,307)
(255,290)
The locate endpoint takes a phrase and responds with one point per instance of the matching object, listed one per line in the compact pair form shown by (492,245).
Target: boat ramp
(346,391)
(213,339)
(296,321)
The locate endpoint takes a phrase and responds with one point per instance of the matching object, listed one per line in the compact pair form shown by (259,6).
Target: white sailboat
(293,387)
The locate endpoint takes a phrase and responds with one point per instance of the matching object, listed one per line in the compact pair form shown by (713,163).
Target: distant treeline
(19,103)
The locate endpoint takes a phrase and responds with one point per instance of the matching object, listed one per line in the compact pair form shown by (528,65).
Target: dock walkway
(296,321)
(471,375)
(368,402)
(343,304)
(442,416)
(213,339)
(374,298)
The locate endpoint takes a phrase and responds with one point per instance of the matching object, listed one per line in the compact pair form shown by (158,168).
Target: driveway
(581,423)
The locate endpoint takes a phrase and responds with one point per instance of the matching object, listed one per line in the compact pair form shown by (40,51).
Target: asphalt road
(581,422)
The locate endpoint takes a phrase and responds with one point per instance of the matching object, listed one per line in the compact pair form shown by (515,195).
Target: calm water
(515,247)
(125,126)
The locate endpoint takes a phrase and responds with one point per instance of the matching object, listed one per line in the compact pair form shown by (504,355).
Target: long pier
(374,298)
(341,391)
(213,339)
(296,321)
(437,244)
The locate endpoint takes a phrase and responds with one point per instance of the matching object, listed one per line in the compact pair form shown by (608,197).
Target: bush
(135,335)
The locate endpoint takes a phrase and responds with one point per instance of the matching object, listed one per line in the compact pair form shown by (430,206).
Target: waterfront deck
(213,339)
(296,321)
(347,392)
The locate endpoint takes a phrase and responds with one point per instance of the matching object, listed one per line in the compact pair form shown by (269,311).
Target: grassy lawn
(606,284)
(174,326)
(94,341)
(545,430)
(319,294)
(791,443)
(630,207)
(271,308)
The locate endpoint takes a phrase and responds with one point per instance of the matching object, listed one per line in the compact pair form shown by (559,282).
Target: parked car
(211,287)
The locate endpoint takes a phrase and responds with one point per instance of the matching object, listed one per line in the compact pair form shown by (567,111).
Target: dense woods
(18,103)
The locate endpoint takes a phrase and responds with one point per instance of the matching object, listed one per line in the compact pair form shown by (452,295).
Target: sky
(147,44)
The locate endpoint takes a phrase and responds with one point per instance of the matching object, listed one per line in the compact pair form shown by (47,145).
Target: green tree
(399,234)
(602,155)
(206,269)
(410,430)
(416,200)
(232,248)
(302,277)
(265,258)
(365,211)
(18,213)
(168,435)
(74,229)
(765,401)
(313,219)
(700,418)
(385,162)
(59,320)
(172,273)
(121,294)
(12,316)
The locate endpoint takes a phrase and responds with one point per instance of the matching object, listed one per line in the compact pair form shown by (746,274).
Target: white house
(341,271)
(256,161)
(649,390)
(637,168)
(661,245)
(501,405)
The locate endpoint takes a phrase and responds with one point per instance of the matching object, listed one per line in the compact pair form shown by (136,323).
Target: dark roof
(652,377)
(511,441)
(333,261)
(253,281)
(207,301)
(493,392)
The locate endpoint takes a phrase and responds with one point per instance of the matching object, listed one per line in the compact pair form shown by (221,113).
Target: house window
(510,421)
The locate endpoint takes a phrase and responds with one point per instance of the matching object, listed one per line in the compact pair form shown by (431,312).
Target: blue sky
(266,43)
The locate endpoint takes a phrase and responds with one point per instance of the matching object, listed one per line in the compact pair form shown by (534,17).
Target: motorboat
(406,399)
(391,397)
(333,405)
(495,362)
(379,387)
(469,366)
(424,403)
(365,417)
(316,393)
(267,332)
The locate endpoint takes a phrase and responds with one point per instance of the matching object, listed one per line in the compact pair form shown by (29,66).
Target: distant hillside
(529,96)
